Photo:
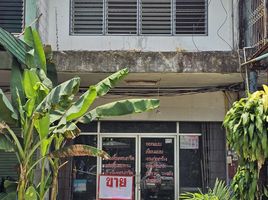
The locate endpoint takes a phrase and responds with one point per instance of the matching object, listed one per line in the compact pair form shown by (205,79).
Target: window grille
(87,16)
(121,16)
(11,15)
(156,16)
(139,17)
(191,17)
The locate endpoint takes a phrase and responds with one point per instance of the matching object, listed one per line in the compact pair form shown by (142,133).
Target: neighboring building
(183,52)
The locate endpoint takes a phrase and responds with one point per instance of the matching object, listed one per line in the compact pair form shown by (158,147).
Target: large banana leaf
(106,84)
(5,144)
(60,96)
(7,111)
(118,108)
(32,39)
(68,130)
(15,46)
(81,106)
(79,150)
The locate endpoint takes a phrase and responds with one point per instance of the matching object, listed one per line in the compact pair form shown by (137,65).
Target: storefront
(165,158)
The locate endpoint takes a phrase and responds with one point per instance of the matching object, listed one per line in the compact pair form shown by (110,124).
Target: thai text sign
(115,187)
(189,142)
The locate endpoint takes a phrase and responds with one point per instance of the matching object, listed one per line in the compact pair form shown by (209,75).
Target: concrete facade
(221,33)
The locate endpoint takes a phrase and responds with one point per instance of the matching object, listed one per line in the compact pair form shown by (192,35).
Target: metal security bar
(139,17)
(257,23)
(11,15)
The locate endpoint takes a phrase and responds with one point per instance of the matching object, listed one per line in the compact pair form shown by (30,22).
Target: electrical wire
(224,22)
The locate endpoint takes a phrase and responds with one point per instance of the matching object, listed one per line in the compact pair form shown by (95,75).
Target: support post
(253,78)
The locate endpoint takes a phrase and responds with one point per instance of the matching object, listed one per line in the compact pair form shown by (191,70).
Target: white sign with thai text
(115,187)
(189,142)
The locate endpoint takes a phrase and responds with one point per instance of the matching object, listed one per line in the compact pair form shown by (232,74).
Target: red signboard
(113,187)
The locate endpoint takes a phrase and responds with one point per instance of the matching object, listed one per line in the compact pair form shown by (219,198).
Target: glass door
(123,156)
(157,168)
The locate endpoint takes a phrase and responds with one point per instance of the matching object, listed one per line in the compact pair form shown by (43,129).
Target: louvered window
(191,17)
(87,16)
(156,16)
(11,15)
(139,17)
(121,16)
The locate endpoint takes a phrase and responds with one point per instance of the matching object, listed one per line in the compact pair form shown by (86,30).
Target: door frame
(138,137)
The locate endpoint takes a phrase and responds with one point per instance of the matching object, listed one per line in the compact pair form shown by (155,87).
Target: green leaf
(264,142)
(13,45)
(265,102)
(265,191)
(16,84)
(32,39)
(7,111)
(31,194)
(81,106)
(118,108)
(68,130)
(60,96)
(245,118)
(265,88)
(38,47)
(42,127)
(106,84)
(251,130)
(259,124)
(43,77)
(29,107)
(30,79)
(79,150)
(5,144)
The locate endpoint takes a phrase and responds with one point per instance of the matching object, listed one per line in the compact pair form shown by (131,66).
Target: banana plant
(47,115)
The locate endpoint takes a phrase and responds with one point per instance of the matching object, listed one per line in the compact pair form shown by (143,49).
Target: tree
(47,115)
(247,125)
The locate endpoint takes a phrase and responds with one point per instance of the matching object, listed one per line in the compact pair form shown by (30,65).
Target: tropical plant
(247,125)
(47,115)
(219,192)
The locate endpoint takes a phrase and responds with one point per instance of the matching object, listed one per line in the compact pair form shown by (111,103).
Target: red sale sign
(115,187)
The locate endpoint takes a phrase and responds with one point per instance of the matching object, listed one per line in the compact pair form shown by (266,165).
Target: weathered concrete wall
(180,62)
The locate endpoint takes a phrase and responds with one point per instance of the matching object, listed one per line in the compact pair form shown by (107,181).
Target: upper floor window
(11,15)
(139,17)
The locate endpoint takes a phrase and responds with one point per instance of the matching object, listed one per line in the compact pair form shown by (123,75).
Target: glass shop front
(164,158)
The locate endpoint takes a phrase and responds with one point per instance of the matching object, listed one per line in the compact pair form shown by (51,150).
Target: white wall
(196,107)
(61,40)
